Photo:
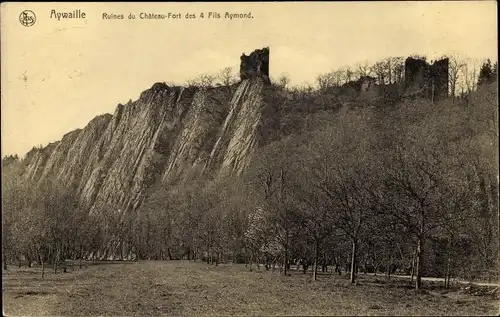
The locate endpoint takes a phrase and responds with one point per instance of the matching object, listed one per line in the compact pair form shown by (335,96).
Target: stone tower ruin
(427,80)
(255,65)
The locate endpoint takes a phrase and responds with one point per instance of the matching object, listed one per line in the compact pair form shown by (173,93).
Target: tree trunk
(56,256)
(389,264)
(494,197)
(353,262)
(419,264)
(447,274)
(285,258)
(81,255)
(413,265)
(412,270)
(315,264)
(432,92)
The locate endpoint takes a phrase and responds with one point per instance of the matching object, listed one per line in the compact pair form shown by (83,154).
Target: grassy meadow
(182,288)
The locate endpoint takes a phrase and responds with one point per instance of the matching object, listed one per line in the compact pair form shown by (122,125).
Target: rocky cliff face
(168,135)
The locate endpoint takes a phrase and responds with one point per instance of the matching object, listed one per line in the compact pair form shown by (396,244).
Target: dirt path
(437,279)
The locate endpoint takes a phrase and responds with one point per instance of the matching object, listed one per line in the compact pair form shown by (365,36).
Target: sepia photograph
(250,158)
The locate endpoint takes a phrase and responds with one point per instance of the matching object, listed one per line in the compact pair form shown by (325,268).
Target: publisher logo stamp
(27,18)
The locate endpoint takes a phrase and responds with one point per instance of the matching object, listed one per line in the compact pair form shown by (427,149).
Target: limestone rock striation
(168,135)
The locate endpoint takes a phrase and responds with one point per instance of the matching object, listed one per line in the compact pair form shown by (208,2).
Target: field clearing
(158,288)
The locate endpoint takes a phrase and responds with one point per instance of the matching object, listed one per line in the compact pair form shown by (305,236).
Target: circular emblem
(27,18)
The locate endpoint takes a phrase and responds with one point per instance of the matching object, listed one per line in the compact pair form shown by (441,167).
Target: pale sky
(58,75)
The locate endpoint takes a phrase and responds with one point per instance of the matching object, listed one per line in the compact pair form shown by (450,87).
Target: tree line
(463,73)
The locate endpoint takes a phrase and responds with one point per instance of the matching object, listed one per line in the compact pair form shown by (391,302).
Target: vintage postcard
(250,159)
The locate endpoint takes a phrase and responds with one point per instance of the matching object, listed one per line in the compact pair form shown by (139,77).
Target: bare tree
(338,173)
(396,69)
(272,173)
(363,69)
(226,76)
(469,73)
(380,71)
(419,176)
(316,217)
(283,81)
(345,75)
(455,69)
(203,80)
(325,81)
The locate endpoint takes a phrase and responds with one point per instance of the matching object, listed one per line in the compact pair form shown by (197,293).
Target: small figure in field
(337,269)
(305,265)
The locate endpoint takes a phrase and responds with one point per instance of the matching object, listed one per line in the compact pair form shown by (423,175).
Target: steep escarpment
(70,155)
(191,148)
(168,135)
(35,161)
(242,130)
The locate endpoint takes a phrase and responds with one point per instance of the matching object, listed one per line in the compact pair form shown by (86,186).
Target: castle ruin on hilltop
(255,65)
(427,80)
(422,79)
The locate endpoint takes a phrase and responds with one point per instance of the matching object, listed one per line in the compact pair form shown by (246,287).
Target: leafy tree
(486,74)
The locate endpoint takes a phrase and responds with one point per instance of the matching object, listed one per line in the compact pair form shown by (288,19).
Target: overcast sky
(58,75)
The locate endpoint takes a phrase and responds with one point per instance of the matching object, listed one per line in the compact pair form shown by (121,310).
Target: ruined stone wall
(416,73)
(439,74)
(255,65)
(427,80)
